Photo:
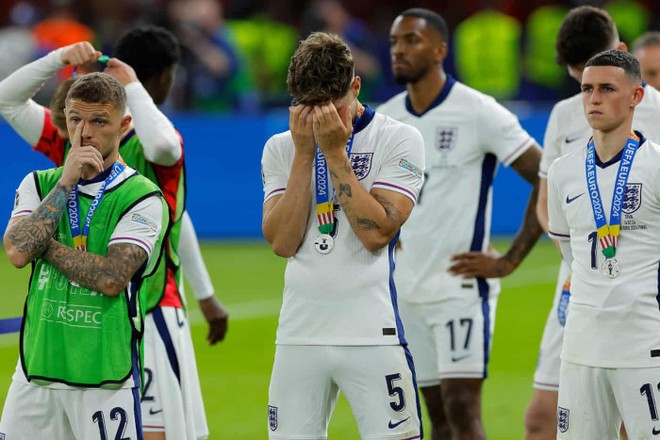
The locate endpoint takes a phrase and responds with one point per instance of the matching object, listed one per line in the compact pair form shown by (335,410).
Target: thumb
(346,117)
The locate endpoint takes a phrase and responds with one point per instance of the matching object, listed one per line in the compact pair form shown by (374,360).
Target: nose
(86,130)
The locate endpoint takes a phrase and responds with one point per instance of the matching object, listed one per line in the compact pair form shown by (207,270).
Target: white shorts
(546,376)
(378,381)
(594,401)
(172,397)
(449,339)
(32,412)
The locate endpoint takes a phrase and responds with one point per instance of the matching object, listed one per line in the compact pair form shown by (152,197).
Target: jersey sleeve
(274,170)
(500,132)
(551,143)
(557,224)
(27,197)
(403,169)
(161,142)
(16,106)
(141,225)
(50,143)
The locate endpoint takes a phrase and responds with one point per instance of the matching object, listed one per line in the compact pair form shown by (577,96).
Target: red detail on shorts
(171,296)
(51,144)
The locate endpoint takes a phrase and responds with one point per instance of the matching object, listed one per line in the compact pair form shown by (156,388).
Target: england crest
(2,436)
(632,198)
(272,417)
(361,163)
(562,418)
(446,138)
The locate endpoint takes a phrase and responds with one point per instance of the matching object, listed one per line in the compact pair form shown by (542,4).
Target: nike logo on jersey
(655,431)
(571,140)
(394,425)
(460,358)
(571,200)
(152,412)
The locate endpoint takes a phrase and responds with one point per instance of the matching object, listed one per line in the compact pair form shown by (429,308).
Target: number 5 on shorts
(395,391)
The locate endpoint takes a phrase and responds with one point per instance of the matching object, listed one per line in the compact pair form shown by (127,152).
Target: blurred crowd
(235,53)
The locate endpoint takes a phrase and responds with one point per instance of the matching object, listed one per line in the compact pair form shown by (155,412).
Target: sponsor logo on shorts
(562,419)
(272,417)
(460,358)
(393,425)
(654,431)
(139,218)
(153,413)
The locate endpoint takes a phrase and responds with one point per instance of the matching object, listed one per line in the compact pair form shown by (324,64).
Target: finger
(77,135)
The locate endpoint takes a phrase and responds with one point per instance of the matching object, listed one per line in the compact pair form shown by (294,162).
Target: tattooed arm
(375,216)
(491,265)
(28,236)
(108,275)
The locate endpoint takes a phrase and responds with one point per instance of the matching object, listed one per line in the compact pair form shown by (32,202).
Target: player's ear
(357,84)
(125,124)
(638,94)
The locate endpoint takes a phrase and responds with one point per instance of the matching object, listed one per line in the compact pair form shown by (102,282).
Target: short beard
(402,79)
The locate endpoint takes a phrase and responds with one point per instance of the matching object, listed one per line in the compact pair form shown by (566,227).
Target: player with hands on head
(337,188)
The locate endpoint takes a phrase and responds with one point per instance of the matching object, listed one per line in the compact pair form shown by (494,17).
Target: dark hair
(58,102)
(149,50)
(585,31)
(618,58)
(98,88)
(320,70)
(433,20)
(649,39)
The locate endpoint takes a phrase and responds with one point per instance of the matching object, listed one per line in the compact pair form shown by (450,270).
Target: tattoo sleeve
(108,275)
(33,233)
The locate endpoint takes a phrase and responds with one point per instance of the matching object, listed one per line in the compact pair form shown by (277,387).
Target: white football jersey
(346,297)
(613,322)
(568,129)
(466,134)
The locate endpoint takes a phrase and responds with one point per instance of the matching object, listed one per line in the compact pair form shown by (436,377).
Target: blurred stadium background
(230,96)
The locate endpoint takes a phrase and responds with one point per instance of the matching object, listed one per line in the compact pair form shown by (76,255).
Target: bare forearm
(108,275)
(30,236)
(285,223)
(529,232)
(374,219)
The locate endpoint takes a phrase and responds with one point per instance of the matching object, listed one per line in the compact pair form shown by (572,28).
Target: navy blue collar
(99,178)
(617,158)
(366,117)
(127,137)
(449,83)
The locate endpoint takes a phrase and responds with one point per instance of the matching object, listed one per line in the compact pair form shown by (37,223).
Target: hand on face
(80,54)
(300,123)
(121,71)
(332,127)
(81,159)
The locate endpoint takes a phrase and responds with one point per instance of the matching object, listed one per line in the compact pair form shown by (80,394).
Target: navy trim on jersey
(617,158)
(393,294)
(411,364)
(161,325)
(487,173)
(484,293)
(137,410)
(657,297)
(99,178)
(366,117)
(449,83)
(127,138)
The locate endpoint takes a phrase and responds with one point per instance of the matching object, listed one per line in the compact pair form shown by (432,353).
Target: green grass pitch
(235,374)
